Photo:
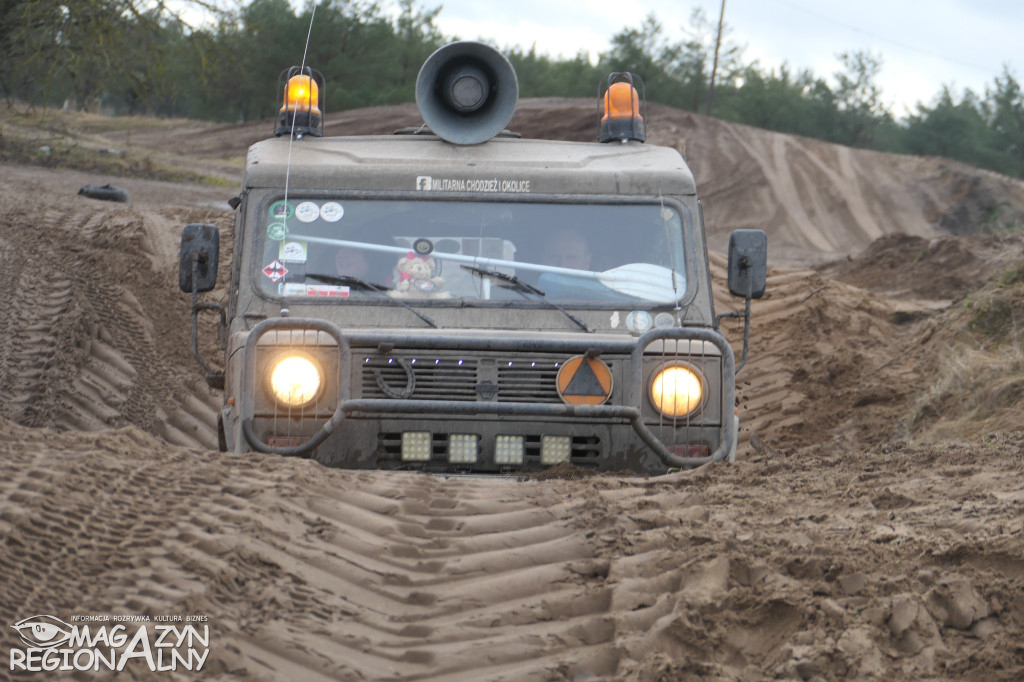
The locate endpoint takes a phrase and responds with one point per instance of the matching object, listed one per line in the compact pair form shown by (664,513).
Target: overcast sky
(923,45)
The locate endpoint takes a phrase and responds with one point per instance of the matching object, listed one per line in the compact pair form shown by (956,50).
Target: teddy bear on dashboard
(416,278)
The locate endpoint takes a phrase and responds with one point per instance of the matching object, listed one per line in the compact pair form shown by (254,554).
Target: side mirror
(200,244)
(748,263)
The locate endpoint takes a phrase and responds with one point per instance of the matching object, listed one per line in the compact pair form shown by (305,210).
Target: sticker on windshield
(326,290)
(639,322)
(277,231)
(293,252)
(275,271)
(307,211)
(280,210)
(317,290)
(332,211)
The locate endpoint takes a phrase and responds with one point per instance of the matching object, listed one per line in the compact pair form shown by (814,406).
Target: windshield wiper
(350,281)
(522,287)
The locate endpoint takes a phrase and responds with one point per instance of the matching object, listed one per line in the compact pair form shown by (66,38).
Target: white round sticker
(332,211)
(664,320)
(639,321)
(307,211)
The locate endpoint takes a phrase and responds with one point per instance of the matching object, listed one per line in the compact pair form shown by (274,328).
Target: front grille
(433,376)
(528,381)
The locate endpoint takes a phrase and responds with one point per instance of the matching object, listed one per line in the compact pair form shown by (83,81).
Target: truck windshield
(460,251)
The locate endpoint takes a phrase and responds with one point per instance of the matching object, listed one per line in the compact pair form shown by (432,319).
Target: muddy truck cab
(456,298)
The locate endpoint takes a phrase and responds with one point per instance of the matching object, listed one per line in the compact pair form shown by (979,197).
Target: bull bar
(347,406)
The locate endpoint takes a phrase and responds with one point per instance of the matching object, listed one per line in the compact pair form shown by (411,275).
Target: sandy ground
(873,527)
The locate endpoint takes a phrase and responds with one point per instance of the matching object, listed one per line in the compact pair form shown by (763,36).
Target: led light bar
(463,448)
(509,449)
(555,449)
(417,446)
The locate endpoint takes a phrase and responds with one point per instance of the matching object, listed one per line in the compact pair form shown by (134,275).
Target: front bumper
(628,418)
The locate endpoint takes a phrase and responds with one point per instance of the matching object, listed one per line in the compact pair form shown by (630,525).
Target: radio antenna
(291,136)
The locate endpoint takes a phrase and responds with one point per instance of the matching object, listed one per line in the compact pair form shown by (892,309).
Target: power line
(875,36)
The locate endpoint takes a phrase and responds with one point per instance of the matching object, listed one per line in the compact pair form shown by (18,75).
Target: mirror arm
(215,379)
(745,315)
(746,335)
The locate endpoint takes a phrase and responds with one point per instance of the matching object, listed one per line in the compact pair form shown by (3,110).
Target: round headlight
(677,390)
(295,380)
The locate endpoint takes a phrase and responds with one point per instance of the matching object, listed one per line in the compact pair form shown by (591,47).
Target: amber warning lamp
(300,90)
(623,105)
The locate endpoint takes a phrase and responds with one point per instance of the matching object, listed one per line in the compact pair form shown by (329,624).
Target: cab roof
(500,165)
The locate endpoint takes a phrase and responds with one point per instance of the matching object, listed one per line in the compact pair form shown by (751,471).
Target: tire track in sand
(311,573)
(427,578)
(306,572)
(768,398)
(87,316)
(439,579)
(822,354)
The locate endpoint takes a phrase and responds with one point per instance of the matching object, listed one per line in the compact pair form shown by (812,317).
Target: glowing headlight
(677,390)
(295,380)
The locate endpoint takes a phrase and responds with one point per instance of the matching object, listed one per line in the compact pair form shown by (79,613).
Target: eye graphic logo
(43,632)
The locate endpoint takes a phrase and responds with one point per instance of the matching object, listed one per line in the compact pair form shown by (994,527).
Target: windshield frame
(688,216)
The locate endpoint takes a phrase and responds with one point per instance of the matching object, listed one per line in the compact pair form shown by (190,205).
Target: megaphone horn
(467,92)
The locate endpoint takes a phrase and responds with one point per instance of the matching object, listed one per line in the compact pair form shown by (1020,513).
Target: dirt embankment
(871,529)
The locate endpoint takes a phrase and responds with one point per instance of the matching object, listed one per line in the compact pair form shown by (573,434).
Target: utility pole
(714,66)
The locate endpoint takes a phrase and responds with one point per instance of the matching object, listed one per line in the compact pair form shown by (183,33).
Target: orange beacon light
(622,109)
(300,91)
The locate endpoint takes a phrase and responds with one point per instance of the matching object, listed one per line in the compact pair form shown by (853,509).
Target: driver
(369,266)
(567,248)
(352,262)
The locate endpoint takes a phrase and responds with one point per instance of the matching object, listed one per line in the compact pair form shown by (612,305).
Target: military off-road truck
(455,298)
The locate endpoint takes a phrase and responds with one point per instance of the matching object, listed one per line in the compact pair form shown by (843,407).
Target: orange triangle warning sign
(584,381)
